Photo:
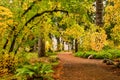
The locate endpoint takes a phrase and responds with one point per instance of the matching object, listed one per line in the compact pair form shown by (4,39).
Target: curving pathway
(75,68)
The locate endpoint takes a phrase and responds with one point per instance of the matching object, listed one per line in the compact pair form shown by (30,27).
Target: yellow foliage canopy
(112,19)
(74,31)
(5,19)
(112,12)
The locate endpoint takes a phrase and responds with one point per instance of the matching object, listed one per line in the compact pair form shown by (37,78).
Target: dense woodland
(28,27)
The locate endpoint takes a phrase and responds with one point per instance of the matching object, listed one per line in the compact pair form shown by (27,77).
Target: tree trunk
(12,43)
(76,45)
(72,45)
(99,13)
(58,44)
(11,40)
(68,46)
(63,45)
(41,47)
(4,46)
(35,47)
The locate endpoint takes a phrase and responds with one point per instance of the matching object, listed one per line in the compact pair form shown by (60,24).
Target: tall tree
(99,13)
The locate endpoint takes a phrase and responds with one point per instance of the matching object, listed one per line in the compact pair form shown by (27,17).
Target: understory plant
(109,54)
(8,63)
(37,71)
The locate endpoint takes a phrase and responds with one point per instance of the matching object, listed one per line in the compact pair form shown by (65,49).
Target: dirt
(75,68)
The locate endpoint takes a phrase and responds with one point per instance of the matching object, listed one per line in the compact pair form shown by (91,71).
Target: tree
(6,20)
(99,13)
(30,14)
(18,30)
(112,21)
(75,32)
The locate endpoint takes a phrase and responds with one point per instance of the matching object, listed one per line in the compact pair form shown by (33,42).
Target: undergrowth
(109,54)
(27,66)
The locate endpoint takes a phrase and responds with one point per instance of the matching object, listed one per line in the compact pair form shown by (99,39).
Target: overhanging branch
(30,7)
(48,11)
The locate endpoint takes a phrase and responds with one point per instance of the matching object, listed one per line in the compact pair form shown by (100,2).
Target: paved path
(75,68)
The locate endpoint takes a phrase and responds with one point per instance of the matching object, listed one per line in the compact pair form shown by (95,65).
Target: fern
(43,70)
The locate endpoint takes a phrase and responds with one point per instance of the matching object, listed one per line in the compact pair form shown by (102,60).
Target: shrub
(114,52)
(50,53)
(85,54)
(26,65)
(103,54)
(88,53)
(8,63)
(38,71)
(37,68)
(79,54)
(98,40)
(53,59)
(109,54)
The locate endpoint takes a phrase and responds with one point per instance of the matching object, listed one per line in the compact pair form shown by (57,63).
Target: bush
(37,68)
(79,54)
(85,54)
(8,63)
(101,55)
(27,64)
(88,53)
(53,59)
(109,54)
(50,53)
(38,71)
(114,52)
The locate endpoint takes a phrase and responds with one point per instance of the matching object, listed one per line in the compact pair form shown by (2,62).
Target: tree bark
(76,45)
(72,45)
(99,13)
(35,47)
(41,47)
(63,45)
(12,44)
(4,46)
(58,44)
(68,46)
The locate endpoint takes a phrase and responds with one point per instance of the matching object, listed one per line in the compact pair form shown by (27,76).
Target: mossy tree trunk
(41,47)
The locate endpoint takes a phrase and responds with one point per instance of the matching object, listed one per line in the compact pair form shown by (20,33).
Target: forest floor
(75,68)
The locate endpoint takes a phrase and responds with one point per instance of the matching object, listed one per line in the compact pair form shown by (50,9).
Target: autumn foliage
(112,21)
(98,40)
